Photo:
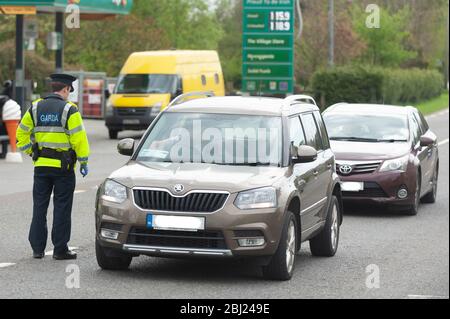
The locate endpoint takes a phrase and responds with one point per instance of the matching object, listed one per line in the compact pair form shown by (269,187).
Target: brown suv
(384,154)
(224,177)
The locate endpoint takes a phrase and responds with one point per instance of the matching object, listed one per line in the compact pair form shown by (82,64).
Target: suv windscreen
(367,127)
(214,139)
(146,84)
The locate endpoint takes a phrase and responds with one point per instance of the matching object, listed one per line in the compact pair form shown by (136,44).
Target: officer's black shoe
(68,255)
(38,255)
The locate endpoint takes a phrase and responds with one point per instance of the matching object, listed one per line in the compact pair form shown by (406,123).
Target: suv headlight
(258,198)
(114,192)
(398,164)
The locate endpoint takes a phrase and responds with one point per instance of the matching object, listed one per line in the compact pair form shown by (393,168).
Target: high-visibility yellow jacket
(56,124)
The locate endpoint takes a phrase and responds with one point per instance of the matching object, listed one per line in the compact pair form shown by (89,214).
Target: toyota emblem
(179,188)
(345,169)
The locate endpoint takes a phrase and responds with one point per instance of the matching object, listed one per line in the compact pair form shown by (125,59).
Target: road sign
(268,46)
(31,29)
(54,41)
(17,10)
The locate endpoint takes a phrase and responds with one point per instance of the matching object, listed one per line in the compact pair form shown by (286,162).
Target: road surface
(410,254)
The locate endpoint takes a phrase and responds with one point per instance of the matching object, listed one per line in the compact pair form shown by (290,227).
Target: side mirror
(107,94)
(126,147)
(426,141)
(304,154)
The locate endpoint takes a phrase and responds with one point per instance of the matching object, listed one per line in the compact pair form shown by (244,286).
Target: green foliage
(412,85)
(189,24)
(229,16)
(105,45)
(434,105)
(348,84)
(358,84)
(385,45)
(37,68)
(411,35)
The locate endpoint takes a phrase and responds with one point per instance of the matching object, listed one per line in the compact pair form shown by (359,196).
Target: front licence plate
(352,186)
(180,223)
(131,122)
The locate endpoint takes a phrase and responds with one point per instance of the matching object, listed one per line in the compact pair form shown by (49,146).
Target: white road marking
(50,252)
(444,142)
(5,265)
(438,114)
(426,297)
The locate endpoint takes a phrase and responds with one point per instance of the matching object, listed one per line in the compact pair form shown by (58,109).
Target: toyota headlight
(257,199)
(398,164)
(114,192)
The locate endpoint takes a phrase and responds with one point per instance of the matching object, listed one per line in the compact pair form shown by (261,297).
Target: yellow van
(150,80)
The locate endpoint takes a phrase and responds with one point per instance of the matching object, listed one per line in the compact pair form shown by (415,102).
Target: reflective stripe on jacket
(55,124)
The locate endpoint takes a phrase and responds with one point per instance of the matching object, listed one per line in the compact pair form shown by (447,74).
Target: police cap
(64,79)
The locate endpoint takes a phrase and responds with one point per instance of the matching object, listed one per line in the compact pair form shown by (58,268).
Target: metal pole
(446,53)
(20,63)
(330,33)
(59,54)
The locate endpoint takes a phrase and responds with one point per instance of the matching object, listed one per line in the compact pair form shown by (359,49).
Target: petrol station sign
(268,46)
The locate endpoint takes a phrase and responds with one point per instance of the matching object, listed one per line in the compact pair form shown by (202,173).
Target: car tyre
(414,209)
(282,264)
(327,242)
(113,134)
(431,197)
(118,262)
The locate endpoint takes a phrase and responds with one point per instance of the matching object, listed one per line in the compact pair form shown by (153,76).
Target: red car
(384,155)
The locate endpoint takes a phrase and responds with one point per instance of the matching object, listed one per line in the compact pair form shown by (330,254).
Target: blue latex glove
(84,170)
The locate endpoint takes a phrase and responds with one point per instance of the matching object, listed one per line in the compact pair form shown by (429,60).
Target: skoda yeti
(224,177)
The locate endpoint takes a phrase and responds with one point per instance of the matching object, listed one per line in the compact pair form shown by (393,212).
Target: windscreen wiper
(243,164)
(392,141)
(355,139)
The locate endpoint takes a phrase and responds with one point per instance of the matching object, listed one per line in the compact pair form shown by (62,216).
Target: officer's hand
(84,170)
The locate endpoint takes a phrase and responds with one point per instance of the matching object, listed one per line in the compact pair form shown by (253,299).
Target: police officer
(52,132)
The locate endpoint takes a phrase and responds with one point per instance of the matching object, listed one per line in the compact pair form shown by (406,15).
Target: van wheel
(431,197)
(327,242)
(282,264)
(113,134)
(118,262)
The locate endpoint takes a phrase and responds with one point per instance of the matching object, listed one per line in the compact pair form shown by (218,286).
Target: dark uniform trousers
(62,184)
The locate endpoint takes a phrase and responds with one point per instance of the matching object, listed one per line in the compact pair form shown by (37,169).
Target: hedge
(376,85)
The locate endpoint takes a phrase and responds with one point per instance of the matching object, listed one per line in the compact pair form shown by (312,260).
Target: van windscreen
(147,84)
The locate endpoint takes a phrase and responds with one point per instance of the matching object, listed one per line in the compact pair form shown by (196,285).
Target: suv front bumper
(223,229)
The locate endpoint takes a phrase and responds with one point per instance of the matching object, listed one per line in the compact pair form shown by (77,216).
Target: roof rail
(300,98)
(183,97)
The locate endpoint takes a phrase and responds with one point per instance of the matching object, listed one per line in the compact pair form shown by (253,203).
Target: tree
(189,24)
(312,51)
(229,16)
(386,45)
(105,45)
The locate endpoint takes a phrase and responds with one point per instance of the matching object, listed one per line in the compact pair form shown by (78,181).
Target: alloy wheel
(290,247)
(334,227)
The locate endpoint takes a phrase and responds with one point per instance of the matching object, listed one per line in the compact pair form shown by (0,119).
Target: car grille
(177,239)
(192,203)
(131,111)
(360,168)
(371,190)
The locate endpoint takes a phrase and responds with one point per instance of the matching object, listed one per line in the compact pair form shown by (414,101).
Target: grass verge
(434,105)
